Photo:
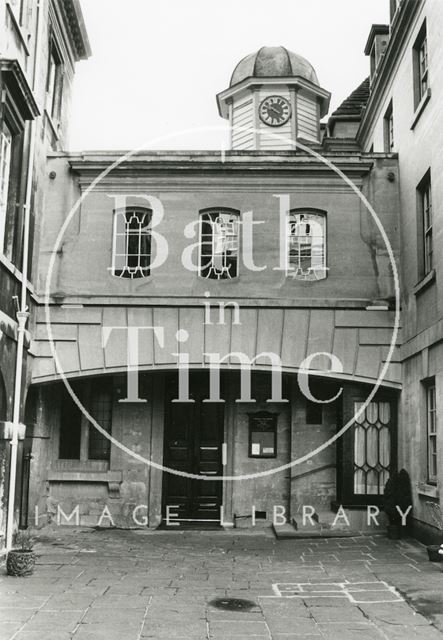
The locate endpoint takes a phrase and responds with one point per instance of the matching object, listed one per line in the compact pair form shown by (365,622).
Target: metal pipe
(22,313)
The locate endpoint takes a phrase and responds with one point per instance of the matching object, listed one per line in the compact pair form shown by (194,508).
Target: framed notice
(262,435)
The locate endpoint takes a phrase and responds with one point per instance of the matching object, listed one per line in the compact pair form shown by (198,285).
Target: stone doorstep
(289,532)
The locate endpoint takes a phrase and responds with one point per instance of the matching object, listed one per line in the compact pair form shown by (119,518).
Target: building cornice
(74,20)
(199,165)
(399,34)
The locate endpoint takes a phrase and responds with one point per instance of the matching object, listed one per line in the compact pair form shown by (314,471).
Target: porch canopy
(92,340)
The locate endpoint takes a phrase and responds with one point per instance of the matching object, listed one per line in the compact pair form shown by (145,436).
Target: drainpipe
(22,312)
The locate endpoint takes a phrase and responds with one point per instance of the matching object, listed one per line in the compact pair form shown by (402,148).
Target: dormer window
(132,243)
(376,46)
(307,245)
(219,244)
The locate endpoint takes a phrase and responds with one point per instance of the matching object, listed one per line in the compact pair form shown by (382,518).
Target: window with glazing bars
(219,244)
(425,206)
(54,82)
(389,129)
(5,168)
(431,427)
(307,245)
(78,439)
(421,65)
(99,446)
(132,243)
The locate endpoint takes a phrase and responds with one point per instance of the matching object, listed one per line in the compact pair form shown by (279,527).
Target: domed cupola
(274,99)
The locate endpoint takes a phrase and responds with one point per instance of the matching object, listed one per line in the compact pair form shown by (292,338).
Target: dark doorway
(193,444)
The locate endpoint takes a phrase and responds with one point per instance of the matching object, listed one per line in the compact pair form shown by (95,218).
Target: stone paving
(127,585)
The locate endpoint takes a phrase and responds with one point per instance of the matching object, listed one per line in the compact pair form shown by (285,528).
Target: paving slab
(92,584)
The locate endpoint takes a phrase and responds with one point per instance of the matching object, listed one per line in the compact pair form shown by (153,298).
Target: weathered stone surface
(160,585)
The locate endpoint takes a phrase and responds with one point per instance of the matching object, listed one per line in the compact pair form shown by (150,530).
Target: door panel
(193,442)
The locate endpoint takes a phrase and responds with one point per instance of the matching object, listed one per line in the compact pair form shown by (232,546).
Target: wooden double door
(193,436)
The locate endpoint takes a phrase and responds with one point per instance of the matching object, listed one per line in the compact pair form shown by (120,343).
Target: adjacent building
(40,41)
(404,116)
(178,298)
(264,256)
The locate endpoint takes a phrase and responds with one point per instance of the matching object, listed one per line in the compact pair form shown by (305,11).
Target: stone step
(288,532)
(306,525)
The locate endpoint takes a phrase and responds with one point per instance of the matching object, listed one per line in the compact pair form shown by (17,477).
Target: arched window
(307,244)
(131,256)
(219,244)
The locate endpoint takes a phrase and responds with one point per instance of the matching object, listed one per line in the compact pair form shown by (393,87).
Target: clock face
(275,111)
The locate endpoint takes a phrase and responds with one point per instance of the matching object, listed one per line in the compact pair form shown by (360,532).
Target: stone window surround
(420,54)
(426,271)
(429,386)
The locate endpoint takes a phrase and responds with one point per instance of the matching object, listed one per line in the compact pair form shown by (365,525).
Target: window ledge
(112,478)
(85,476)
(428,490)
(424,283)
(420,108)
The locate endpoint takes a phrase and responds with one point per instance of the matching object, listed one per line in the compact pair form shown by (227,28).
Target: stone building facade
(404,115)
(260,259)
(39,45)
(264,256)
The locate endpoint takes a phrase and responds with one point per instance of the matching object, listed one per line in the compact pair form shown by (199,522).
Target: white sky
(156,67)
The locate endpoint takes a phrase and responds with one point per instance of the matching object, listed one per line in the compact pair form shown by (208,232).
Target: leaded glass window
(132,243)
(372,448)
(219,244)
(307,245)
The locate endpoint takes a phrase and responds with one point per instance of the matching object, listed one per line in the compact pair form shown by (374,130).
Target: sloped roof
(354,104)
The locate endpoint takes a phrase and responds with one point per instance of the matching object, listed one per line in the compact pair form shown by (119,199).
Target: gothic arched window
(307,244)
(219,244)
(131,256)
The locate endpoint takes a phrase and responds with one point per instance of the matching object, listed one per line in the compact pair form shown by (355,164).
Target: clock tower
(274,99)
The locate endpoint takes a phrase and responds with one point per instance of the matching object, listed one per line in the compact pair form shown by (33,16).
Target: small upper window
(54,83)
(389,129)
(307,245)
(421,68)
(5,169)
(219,244)
(132,243)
